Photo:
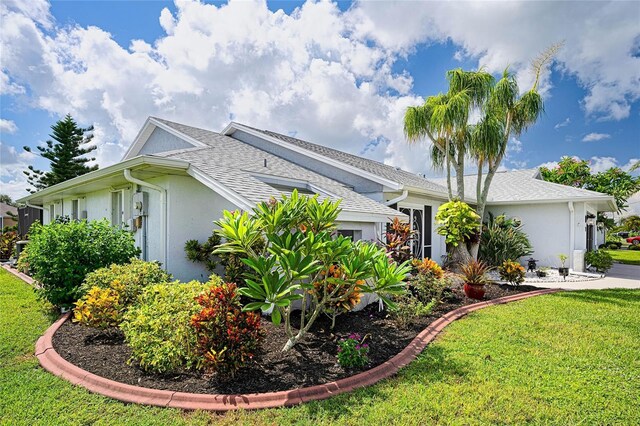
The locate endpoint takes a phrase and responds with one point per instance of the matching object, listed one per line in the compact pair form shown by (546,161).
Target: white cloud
(12,177)
(8,126)
(325,74)
(561,124)
(592,137)
(600,164)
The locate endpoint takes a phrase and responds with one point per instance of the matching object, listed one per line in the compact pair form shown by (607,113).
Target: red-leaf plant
(228,338)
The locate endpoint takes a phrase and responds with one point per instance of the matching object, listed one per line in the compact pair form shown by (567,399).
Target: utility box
(578,260)
(140,204)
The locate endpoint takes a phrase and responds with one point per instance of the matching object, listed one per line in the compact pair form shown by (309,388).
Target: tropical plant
(7,244)
(101,307)
(428,267)
(158,328)
(60,255)
(227,337)
(410,308)
(300,248)
(503,239)
(444,119)
(631,223)
(134,276)
(475,273)
(398,240)
(459,224)
(66,155)
(353,352)
(563,258)
(601,260)
(512,272)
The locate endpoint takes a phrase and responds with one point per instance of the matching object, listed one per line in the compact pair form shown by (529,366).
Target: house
(175,180)
(8,215)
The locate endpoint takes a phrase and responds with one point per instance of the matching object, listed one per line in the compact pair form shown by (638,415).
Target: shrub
(227,337)
(7,244)
(634,247)
(512,272)
(353,352)
(397,240)
(60,255)
(299,247)
(428,267)
(158,329)
(503,239)
(134,276)
(457,222)
(409,308)
(101,307)
(600,260)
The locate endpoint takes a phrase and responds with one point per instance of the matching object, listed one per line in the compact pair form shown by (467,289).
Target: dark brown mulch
(311,362)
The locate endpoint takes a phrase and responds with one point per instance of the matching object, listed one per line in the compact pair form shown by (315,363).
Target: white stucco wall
(192,208)
(548,228)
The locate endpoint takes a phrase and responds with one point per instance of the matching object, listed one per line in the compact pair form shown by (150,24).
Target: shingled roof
(241,168)
(406,179)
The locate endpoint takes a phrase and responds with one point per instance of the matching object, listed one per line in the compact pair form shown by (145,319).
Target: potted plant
(474,275)
(542,272)
(562,270)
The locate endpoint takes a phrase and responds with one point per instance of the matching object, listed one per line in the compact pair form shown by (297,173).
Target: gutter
(163,210)
(28,204)
(396,200)
(572,231)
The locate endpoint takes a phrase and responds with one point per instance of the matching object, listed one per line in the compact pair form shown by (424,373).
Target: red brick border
(54,363)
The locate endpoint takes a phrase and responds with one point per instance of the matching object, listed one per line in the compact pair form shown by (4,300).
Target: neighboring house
(175,180)
(8,215)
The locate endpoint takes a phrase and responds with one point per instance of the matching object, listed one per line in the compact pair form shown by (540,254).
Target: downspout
(572,231)
(396,200)
(163,210)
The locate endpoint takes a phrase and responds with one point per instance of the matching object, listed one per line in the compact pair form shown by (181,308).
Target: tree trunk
(460,173)
(459,256)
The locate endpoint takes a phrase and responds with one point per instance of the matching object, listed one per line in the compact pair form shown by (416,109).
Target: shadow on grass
(619,297)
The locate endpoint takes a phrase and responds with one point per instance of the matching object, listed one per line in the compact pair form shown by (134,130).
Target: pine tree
(65,153)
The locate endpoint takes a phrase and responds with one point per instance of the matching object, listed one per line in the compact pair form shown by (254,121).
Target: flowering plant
(512,272)
(353,352)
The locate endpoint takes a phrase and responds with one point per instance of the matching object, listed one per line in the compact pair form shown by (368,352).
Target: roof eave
(106,172)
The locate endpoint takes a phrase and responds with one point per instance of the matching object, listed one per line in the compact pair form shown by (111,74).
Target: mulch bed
(309,363)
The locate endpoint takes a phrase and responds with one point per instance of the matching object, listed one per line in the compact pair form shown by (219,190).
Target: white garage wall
(547,226)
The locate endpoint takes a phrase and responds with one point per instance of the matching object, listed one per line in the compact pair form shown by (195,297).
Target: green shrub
(135,276)
(60,255)
(158,329)
(409,308)
(600,260)
(227,337)
(634,247)
(512,272)
(503,239)
(457,222)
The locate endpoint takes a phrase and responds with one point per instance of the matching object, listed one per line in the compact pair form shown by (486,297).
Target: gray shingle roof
(375,167)
(236,165)
(523,185)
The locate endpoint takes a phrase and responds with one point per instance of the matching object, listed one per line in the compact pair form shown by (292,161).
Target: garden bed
(312,362)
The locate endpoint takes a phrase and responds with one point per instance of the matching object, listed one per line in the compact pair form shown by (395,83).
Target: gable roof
(401,178)
(241,168)
(526,186)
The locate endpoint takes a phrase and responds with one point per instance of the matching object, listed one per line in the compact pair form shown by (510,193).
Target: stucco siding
(548,228)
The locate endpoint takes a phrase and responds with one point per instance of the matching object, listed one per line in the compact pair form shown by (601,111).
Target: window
(116,208)
(355,235)
(74,210)
(52,213)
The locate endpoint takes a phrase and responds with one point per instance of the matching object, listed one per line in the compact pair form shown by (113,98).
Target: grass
(629,257)
(566,358)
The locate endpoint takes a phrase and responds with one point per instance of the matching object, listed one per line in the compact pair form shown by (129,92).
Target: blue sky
(339,74)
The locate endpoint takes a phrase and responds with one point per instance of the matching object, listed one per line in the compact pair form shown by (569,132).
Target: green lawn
(567,358)
(630,257)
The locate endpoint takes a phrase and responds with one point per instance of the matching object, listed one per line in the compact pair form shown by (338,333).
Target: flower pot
(563,271)
(474,291)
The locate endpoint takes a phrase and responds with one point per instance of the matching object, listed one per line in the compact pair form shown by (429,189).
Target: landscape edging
(51,361)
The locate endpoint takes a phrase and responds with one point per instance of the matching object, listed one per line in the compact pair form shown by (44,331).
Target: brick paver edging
(54,363)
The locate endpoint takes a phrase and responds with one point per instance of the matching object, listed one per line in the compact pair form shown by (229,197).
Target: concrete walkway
(619,276)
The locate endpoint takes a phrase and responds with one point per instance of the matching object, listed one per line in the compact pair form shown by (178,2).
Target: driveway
(619,276)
